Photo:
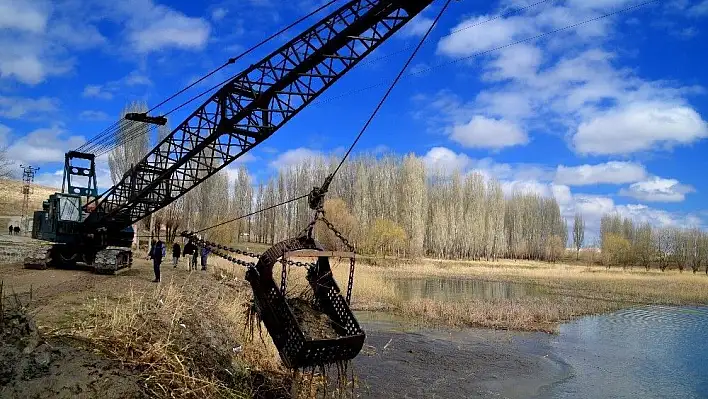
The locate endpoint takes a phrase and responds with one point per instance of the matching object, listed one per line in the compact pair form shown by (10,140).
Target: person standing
(191,249)
(157,252)
(205,254)
(10,228)
(175,254)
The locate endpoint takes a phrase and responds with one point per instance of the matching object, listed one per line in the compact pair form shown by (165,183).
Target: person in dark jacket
(205,254)
(191,249)
(175,254)
(157,252)
(10,228)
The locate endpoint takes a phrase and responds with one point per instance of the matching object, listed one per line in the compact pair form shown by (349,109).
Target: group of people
(14,230)
(158,251)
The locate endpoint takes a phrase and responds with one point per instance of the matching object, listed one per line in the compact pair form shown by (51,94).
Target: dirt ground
(48,366)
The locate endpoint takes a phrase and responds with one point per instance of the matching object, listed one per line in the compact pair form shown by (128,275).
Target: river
(642,352)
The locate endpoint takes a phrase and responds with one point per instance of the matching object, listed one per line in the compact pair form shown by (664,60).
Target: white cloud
(526,187)
(50,179)
(43,146)
(4,134)
(108,90)
(296,156)
(27,108)
(417,26)
(218,13)
(136,78)
(613,172)
(96,91)
(493,34)
(23,16)
(569,84)
(699,9)
(445,160)
(91,115)
(658,189)
(156,27)
(638,127)
(37,38)
(483,132)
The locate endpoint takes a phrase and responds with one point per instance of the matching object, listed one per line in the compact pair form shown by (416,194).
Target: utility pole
(27,178)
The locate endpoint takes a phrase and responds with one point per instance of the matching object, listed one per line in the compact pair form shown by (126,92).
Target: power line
(111,130)
(464,28)
(390,89)
(484,52)
(222,83)
(251,49)
(366,125)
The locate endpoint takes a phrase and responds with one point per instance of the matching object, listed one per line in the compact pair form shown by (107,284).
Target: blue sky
(608,116)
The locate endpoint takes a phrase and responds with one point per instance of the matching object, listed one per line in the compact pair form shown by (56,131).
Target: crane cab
(59,220)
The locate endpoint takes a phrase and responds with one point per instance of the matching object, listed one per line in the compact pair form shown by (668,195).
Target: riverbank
(560,292)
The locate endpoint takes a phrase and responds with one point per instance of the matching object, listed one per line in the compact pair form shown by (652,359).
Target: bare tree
(578,233)
(645,245)
(242,202)
(679,247)
(133,141)
(664,247)
(5,164)
(696,248)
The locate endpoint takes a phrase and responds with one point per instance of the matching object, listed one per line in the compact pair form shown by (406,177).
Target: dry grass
(562,292)
(11,197)
(188,339)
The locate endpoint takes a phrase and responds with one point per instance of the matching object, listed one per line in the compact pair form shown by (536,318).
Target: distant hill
(11,197)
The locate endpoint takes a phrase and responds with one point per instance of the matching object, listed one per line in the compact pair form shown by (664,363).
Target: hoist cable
(390,88)
(502,15)
(253,213)
(366,125)
(111,130)
(243,54)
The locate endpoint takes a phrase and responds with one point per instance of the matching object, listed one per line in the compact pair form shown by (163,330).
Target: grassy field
(561,292)
(11,197)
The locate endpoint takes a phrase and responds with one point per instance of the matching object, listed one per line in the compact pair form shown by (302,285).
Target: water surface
(458,289)
(646,352)
(643,352)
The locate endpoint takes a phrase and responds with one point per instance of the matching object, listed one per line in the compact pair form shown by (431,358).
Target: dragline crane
(84,227)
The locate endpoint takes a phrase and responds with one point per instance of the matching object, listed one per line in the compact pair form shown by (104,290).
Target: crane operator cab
(59,219)
(62,223)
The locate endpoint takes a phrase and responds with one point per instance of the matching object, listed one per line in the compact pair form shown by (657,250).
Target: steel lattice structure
(252,106)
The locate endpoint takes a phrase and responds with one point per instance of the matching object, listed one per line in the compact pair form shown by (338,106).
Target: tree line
(390,206)
(626,243)
(393,205)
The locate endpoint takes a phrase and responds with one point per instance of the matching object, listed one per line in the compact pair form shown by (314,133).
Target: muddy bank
(474,363)
(34,367)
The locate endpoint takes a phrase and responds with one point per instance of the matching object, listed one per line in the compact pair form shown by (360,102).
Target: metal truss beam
(252,106)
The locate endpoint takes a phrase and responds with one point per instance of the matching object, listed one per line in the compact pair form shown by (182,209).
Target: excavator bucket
(299,348)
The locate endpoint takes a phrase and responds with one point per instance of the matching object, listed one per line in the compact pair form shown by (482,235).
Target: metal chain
(283,277)
(320,214)
(240,252)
